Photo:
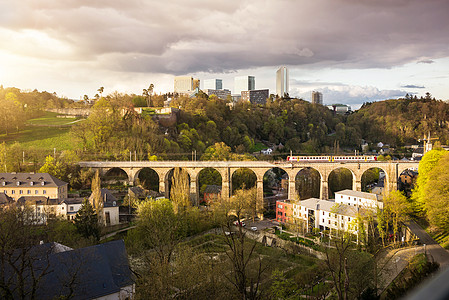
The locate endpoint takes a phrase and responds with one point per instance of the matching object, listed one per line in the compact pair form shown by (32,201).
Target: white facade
(282,81)
(326,215)
(359,199)
(212,84)
(185,84)
(244,83)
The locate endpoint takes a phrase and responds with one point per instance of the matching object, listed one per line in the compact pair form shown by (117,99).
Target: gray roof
(5,199)
(352,193)
(314,203)
(109,200)
(38,200)
(212,189)
(94,271)
(73,200)
(30,180)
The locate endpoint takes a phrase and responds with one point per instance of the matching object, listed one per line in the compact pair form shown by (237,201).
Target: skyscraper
(282,81)
(213,84)
(317,98)
(244,83)
(185,84)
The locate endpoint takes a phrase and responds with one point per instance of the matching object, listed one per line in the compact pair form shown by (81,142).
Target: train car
(336,158)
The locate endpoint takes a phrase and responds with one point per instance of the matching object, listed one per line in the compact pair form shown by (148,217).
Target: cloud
(426,61)
(350,94)
(412,86)
(181,37)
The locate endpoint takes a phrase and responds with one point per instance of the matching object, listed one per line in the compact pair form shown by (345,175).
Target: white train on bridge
(333,158)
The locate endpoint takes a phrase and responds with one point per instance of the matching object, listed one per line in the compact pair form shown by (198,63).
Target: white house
(359,199)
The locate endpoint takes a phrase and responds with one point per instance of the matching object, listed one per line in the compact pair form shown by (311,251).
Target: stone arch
(148,178)
(115,175)
(243,177)
(308,183)
(372,179)
(275,186)
(340,178)
(169,178)
(208,177)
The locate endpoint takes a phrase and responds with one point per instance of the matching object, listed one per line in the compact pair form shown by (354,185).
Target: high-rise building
(282,81)
(221,94)
(255,96)
(244,83)
(213,84)
(185,84)
(317,98)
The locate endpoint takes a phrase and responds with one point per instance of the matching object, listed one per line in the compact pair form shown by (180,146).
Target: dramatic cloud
(115,43)
(179,37)
(412,86)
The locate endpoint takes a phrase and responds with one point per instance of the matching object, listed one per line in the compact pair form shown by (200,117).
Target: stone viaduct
(392,170)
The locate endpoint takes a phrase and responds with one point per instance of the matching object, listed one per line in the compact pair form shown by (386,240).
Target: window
(323,213)
(44,192)
(29,192)
(20,192)
(13,192)
(328,221)
(335,223)
(71,208)
(323,221)
(36,192)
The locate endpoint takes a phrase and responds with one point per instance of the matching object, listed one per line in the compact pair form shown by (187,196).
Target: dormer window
(3,183)
(31,183)
(43,183)
(18,183)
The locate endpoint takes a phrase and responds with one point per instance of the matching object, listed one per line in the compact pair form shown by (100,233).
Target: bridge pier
(324,189)
(357,185)
(292,194)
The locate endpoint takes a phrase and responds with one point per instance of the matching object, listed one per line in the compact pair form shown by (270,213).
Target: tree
(100,90)
(349,268)
(436,194)
(22,263)
(396,209)
(179,192)
(86,221)
(97,201)
(429,161)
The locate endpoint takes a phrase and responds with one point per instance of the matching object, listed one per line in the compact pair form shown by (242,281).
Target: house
(359,199)
(284,211)
(211,193)
(268,151)
(110,207)
(69,207)
(43,208)
(327,215)
(97,272)
(16,185)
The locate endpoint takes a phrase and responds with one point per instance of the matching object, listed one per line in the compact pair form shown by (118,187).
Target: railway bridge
(392,170)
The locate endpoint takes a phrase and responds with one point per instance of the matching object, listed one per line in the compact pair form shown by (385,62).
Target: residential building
(221,94)
(359,199)
(97,272)
(68,208)
(212,193)
(110,207)
(255,96)
(185,84)
(244,83)
(213,84)
(282,81)
(317,98)
(327,215)
(284,211)
(16,185)
(43,207)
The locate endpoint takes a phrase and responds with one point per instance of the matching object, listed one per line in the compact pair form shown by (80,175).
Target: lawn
(36,134)
(50,118)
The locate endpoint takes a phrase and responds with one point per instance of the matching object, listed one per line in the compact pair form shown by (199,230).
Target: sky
(353,51)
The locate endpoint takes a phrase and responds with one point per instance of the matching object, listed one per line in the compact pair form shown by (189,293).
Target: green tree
(86,221)
(97,201)
(179,192)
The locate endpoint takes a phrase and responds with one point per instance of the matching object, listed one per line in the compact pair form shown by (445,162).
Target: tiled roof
(212,189)
(29,180)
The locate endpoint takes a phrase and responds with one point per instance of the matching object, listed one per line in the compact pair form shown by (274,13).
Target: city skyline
(352,52)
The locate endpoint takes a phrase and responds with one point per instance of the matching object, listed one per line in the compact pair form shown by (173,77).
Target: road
(438,253)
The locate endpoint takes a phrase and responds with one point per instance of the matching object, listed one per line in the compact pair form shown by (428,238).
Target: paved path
(433,249)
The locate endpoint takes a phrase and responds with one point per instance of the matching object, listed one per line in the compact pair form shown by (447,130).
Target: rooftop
(30,179)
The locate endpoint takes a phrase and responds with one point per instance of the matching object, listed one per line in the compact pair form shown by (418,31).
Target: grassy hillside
(45,132)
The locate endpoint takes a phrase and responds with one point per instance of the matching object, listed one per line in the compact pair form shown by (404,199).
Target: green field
(46,132)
